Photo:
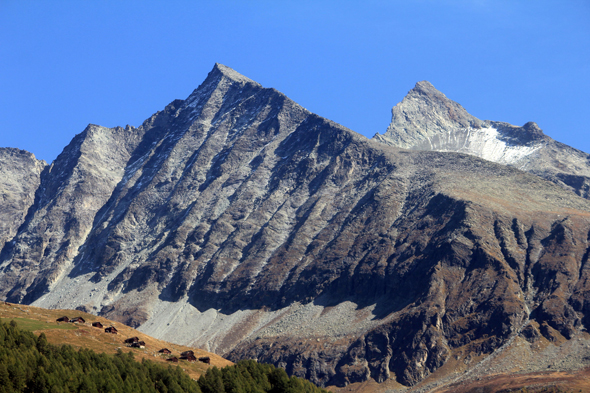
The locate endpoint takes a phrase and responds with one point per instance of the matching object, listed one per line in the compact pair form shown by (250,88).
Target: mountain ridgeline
(238,221)
(427,120)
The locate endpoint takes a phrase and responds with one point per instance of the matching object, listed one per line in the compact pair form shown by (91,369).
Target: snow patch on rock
(483,142)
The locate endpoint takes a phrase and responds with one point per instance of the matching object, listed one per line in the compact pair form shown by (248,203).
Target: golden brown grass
(85,336)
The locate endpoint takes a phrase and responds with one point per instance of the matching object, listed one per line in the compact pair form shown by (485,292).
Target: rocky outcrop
(453,272)
(427,120)
(20,172)
(238,221)
(426,114)
(71,190)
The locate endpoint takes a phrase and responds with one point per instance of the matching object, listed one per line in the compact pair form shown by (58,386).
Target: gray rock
(238,221)
(427,120)
(20,175)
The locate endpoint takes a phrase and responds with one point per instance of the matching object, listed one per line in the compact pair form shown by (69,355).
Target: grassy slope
(85,336)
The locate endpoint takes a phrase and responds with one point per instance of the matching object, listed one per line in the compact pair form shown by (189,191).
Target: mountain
(20,174)
(238,221)
(70,192)
(427,120)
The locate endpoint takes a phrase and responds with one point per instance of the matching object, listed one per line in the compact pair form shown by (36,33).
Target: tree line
(28,363)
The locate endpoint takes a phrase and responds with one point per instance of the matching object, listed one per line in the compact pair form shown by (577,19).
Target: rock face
(427,120)
(238,221)
(20,174)
(71,190)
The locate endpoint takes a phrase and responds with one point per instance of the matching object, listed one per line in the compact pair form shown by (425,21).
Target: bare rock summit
(427,120)
(237,221)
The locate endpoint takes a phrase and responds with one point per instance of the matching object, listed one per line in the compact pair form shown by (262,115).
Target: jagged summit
(15,151)
(427,120)
(423,114)
(231,73)
(19,178)
(220,79)
(426,115)
(220,72)
(426,88)
(238,221)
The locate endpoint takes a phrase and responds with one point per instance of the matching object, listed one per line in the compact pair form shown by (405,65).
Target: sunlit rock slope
(238,221)
(427,120)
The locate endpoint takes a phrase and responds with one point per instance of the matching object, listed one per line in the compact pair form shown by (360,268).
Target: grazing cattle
(205,359)
(165,350)
(97,325)
(63,319)
(111,329)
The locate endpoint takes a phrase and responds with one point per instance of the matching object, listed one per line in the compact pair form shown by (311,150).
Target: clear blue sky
(64,64)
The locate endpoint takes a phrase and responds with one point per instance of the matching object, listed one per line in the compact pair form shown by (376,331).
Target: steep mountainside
(20,174)
(238,221)
(427,120)
(72,189)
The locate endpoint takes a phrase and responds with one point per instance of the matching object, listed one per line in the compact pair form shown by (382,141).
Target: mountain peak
(423,113)
(238,221)
(425,87)
(425,91)
(427,120)
(219,76)
(231,73)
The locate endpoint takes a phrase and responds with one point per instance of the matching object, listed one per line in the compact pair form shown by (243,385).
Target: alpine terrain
(239,222)
(427,120)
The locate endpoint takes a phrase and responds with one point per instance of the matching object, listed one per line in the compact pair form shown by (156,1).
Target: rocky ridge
(20,174)
(70,192)
(427,120)
(238,221)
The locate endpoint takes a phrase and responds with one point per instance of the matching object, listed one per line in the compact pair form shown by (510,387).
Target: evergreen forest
(28,363)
